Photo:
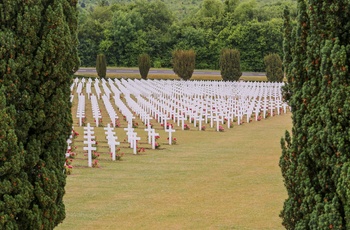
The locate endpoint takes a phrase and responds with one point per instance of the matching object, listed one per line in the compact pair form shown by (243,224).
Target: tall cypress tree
(38,56)
(101,65)
(315,159)
(14,183)
(144,61)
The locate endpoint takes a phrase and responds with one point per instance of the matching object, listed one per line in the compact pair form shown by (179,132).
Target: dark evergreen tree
(144,65)
(316,157)
(101,65)
(38,56)
(287,45)
(230,66)
(184,63)
(273,65)
(14,183)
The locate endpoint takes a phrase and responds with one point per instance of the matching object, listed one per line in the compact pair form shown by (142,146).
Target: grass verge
(208,180)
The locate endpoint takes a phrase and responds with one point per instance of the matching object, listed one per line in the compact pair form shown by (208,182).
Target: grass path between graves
(208,180)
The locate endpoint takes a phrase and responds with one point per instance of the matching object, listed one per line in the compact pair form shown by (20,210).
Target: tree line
(123,31)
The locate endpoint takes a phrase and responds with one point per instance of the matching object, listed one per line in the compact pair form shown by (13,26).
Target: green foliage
(144,65)
(343,191)
(273,64)
(246,11)
(230,65)
(184,63)
(38,56)
(93,29)
(14,183)
(124,29)
(101,65)
(315,159)
(211,9)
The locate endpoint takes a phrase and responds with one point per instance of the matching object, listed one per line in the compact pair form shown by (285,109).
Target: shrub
(144,65)
(101,65)
(184,63)
(230,66)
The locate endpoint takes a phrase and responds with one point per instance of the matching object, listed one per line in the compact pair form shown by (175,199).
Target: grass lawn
(208,180)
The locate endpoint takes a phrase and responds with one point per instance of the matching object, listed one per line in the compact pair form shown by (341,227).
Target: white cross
(164,120)
(89,148)
(217,119)
(149,131)
(182,119)
(133,139)
(153,138)
(112,143)
(129,131)
(111,139)
(200,119)
(170,131)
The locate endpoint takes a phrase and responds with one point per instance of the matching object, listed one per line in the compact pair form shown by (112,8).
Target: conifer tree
(144,65)
(315,158)
(38,55)
(184,63)
(14,183)
(101,65)
(230,65)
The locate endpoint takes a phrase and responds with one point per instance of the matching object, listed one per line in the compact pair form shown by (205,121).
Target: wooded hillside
(123,29)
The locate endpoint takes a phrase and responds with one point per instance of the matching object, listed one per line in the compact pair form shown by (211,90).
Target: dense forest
(124,29)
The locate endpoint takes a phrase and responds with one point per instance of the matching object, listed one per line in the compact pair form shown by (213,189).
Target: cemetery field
(154,76)
(207,180)
(172,76)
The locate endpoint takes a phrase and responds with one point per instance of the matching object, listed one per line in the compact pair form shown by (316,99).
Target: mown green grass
(208,180)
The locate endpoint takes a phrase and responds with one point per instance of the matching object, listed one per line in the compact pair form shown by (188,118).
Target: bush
(144,65)
(273,64)
(184,63)
(101,65)
(230,66)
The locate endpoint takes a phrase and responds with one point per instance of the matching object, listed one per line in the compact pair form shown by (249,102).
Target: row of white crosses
(89,140)
(88,88)
(228,106)
(79,89)
(151,136)
(106,90)
(124,110)
(113,87)
(110,110)
(111,140)
(97,88)
(131,135)
(96,113)
(179,100)
(81,109)
(164,99)
(132,138)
